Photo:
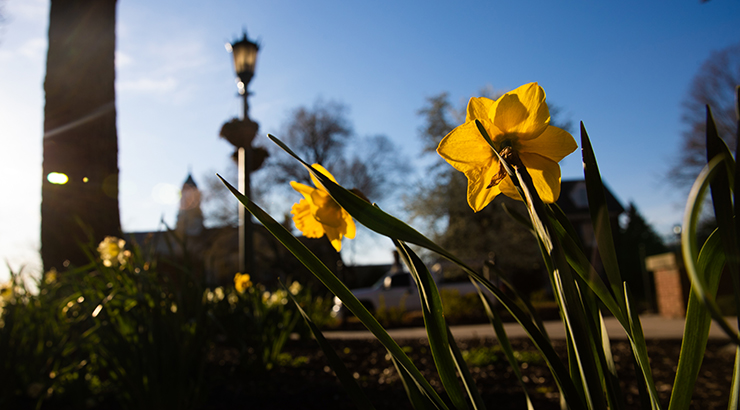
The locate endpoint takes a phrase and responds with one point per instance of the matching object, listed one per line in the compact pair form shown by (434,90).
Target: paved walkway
(654,327)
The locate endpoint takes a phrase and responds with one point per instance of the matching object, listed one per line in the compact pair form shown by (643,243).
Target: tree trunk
(80,138)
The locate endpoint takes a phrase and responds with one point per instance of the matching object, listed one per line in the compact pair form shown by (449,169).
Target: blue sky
(621,67)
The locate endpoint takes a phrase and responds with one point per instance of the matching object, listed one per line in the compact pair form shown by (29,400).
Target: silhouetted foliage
(637,240)
(318,134)
(714,85)
(323,134)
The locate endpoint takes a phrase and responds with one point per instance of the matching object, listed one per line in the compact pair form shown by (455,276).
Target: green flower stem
(338,288)
(572,306)
(386,225)
(354,391)
(568,296)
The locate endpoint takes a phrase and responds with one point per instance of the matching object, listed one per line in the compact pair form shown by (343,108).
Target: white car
(397,289)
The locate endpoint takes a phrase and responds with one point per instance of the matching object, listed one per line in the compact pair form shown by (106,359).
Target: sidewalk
(653,326)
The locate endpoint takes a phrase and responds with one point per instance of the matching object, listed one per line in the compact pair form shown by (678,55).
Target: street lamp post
(244,52)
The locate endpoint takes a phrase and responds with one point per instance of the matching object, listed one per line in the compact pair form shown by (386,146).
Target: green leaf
(585,270)
(720,187)
(698,321)
(370,216)
(582,266)
(380,222)
(570,302)
(600,216)
(521,300)
(356,394)
(327,277)
(689,245)
(616,398)
(582,341)
(419,400)
(503,339)
(639,350)
(433,313)
(734,401)
(467,378)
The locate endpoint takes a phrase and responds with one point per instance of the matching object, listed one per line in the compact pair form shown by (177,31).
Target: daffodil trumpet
(521,178)
(501,160)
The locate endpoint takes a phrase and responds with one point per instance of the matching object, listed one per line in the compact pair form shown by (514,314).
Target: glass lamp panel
(245,57)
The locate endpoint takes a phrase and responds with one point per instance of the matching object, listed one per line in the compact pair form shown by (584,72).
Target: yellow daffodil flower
(317,214)
(50,276)
(295,288)
(242,282)
(519,126)
(111,251)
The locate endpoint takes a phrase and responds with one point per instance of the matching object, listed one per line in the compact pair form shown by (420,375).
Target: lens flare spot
(86,180)
(57,178)
(166,194)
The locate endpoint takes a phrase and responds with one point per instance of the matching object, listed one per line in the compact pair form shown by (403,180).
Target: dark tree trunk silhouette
(80,138)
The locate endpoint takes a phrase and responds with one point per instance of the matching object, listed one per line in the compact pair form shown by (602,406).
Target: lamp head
(245,59)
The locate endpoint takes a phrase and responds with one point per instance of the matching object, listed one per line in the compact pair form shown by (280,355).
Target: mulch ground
(312,385)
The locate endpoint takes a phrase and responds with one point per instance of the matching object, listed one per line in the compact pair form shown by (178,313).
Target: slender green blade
(522,300)
(571,303)
(689,245)
(601,347)
(585,270)
(467,378)
(582,342)
(639,349)
(433,313)
(338,288)
(720,188)
(736,183)
(419,400)
(370,216)
(698,321)
(582,266)
(600,216)
(503,339)
(378,221)
(356,394)
(614,392)
(734,401)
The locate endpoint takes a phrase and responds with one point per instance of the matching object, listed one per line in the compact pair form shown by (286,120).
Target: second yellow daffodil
(317,214)
(519,126)
(242,282)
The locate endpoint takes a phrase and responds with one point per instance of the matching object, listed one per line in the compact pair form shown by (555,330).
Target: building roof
(573,198)
(190,181)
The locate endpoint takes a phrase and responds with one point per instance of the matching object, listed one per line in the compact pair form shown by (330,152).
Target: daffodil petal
(522,112)
(351,229)
(303,189)
(509,189)
(545,175)
(479,108)
(335,237)
(554,143)
(329,214)
(465,149)
(304,220)
(320,199)
(478,194)
(323,171)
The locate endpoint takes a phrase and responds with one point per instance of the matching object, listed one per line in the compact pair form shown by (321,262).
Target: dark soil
(312,385)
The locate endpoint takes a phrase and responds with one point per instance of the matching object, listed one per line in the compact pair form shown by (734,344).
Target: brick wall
(669,292)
